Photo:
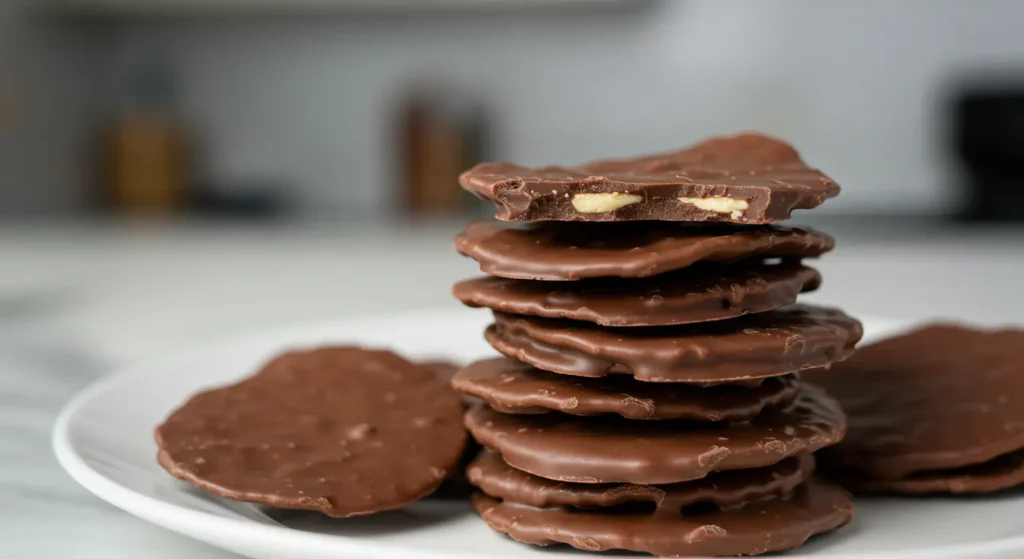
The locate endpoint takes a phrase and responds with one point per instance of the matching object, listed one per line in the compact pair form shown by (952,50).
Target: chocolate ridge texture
(755,528)
(610,449)
(695,295)
(555,251)
(510,386)
(497,479)
(773,343)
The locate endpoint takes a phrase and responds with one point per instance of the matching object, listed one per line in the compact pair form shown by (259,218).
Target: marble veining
(44,513)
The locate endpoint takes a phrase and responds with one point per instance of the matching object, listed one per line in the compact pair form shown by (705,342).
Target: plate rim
(173,517)
(137,504)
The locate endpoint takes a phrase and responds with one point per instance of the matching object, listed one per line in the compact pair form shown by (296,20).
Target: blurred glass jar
(147,153)
(440,134)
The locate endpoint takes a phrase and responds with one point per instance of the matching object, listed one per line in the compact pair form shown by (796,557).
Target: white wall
(53,83)
(856,85)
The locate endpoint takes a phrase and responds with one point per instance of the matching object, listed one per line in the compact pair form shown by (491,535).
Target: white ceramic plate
(103,438)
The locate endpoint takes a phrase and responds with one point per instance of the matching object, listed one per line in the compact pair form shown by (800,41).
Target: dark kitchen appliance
(988,137)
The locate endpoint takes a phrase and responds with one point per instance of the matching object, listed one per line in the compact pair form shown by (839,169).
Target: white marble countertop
(78,300)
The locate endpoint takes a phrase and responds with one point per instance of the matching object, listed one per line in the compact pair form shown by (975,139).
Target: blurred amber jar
(441,133)
(147,163)
(147,159)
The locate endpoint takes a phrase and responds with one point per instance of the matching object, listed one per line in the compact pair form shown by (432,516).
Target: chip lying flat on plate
(341,430)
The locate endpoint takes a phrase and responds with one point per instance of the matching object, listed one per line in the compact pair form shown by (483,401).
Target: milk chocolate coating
(689,296)
(610,449)
(444,370)
(564,252)
(723,489)
(1002,472)
(773,343)
(340,430)
(510,386)
(940,397)
(765,173)
(753,529)
(456,486)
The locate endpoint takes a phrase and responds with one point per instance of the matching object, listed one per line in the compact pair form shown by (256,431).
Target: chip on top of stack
(649,394)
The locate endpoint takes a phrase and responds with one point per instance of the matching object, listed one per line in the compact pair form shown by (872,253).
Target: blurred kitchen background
(367,109)
(179,171)
(172,170)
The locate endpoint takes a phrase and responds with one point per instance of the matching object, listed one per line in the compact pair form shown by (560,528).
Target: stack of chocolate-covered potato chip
(650,397)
